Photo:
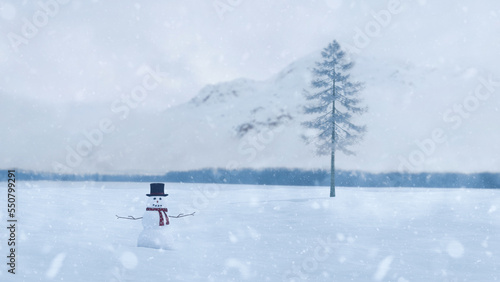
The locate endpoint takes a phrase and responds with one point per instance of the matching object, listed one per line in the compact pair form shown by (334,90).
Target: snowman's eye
(154,198)
(159,199)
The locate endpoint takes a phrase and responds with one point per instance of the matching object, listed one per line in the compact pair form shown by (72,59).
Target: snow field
(68,232)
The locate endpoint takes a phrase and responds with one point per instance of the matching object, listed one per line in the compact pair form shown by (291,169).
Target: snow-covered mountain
(421,117)
(415,121)
(237,124)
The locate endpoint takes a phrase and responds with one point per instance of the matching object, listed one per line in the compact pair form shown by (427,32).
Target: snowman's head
(156,202)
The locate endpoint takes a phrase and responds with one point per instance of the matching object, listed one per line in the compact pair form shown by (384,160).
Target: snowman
(155,221)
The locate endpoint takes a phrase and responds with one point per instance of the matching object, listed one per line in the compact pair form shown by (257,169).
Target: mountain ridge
(245,123)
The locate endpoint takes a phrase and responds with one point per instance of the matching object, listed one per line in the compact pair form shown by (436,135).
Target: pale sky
(85,51)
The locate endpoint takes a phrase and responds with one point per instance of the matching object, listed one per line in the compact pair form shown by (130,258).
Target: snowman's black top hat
(157,189)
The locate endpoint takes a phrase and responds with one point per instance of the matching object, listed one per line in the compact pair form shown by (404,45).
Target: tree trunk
(332,165)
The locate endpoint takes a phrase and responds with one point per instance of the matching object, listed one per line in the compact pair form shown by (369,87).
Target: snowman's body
(151,219)
(155,221)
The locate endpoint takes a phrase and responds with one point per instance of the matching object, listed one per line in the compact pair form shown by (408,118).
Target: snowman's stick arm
(128,217)
(181,215)
(170,216)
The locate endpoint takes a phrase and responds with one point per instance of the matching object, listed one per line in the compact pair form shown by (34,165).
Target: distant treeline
(283,176)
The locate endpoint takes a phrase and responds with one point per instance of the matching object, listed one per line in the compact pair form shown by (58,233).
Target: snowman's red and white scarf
(160,210)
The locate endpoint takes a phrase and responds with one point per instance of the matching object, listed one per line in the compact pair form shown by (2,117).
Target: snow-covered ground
(68,232)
